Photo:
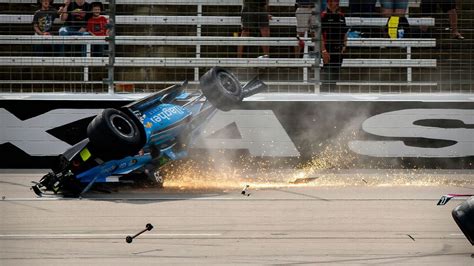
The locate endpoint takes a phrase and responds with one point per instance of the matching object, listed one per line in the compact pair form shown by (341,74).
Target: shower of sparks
(334,166)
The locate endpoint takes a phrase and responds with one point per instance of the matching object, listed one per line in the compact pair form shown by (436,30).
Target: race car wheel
(464,217)
(221,88)
(113,135)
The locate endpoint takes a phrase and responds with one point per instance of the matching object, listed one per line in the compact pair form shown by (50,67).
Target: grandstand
(161,42)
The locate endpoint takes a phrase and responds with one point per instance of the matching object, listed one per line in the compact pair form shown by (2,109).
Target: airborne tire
(113,135)
(221,88)
(464,217)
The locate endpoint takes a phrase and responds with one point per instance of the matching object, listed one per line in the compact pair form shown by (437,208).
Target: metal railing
(155,45)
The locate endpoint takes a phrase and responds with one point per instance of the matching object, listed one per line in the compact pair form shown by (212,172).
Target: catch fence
(153,44)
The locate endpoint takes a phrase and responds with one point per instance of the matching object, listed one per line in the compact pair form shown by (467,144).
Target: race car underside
(142,136)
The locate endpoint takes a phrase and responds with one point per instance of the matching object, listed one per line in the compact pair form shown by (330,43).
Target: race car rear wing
(445,198)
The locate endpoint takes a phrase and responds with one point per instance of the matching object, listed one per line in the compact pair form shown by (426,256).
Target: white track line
(33,236)
(224,199)
(116,199)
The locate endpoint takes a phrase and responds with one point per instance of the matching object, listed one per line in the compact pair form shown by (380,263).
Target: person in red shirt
(97,25)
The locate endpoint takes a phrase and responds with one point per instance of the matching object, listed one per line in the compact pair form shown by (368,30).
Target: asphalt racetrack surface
(302,223)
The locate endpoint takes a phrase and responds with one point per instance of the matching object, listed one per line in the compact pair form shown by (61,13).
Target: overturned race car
(139,138)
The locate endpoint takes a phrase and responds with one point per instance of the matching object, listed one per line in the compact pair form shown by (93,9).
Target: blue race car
(142,136)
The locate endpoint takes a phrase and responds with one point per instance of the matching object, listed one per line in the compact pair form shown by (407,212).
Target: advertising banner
(359,134)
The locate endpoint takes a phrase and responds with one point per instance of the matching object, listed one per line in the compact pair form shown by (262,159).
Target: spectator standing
(334,40)
(428,7)
(43,20)
(255,16)
(75,14)
(306,21)
(97,25)
(394,7)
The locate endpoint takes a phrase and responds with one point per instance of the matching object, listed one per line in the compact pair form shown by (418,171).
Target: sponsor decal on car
(166,114)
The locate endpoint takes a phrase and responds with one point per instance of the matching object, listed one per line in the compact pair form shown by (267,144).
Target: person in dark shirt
(43,20)
(255,17)
(75,15)
(334,39)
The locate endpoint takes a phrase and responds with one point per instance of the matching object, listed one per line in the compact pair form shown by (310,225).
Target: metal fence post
(111,38)
(317,47)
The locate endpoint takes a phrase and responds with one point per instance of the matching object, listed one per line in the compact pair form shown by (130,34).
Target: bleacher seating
(407,63)
(197,61)
(197,40)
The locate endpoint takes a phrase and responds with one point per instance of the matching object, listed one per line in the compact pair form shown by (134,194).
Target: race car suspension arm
(89,185)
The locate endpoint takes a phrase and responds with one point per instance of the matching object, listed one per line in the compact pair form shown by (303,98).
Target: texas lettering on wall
(273,131)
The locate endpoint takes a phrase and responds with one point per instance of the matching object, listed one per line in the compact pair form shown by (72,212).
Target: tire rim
(228,82)
(122,125)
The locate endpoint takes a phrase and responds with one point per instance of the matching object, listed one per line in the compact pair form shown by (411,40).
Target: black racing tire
(221,88)
(464,217)
(113,135)
(71,187)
